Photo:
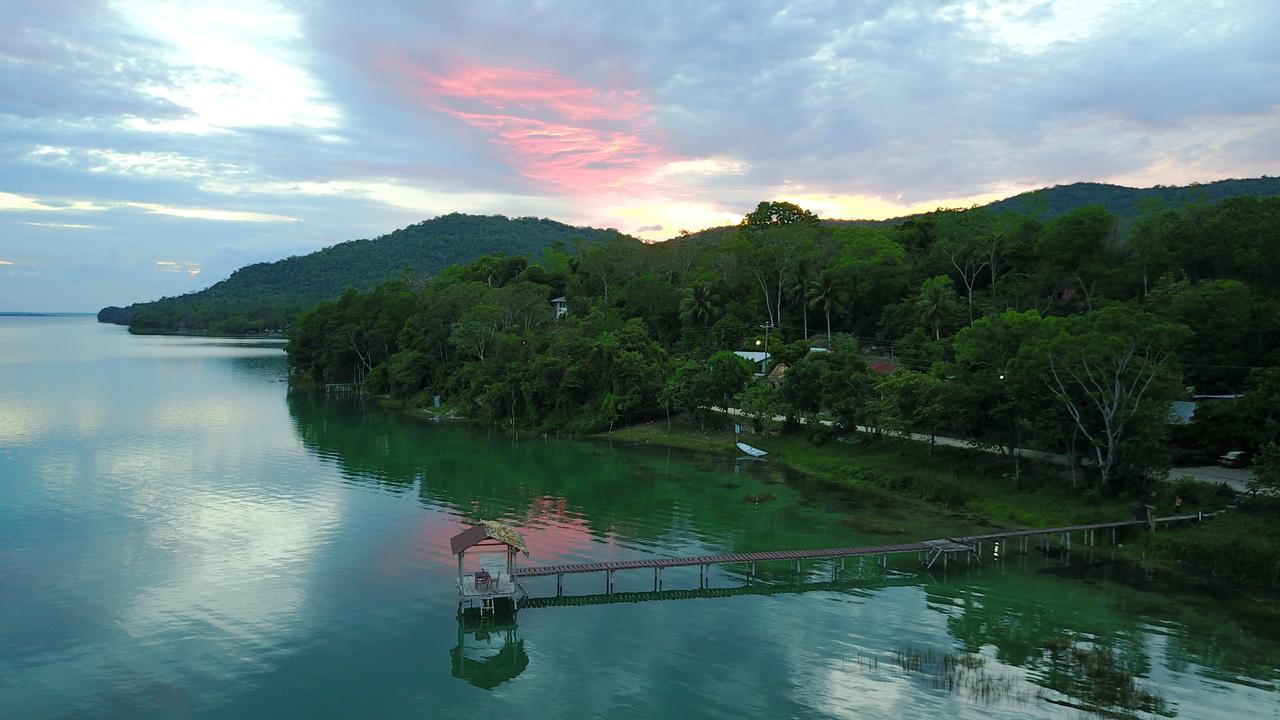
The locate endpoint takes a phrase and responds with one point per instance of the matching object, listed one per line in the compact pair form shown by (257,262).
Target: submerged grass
(1088,679)
(963,673)
(975,486)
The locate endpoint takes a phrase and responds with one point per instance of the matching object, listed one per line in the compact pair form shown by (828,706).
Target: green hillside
(265,296)
(1127,202)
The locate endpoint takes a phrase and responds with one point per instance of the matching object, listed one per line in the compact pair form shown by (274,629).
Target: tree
(475,330)
(1075,245)
(726,375)
(997,394)
(772,237)
(1266,470)
(822,293)
(870,270)
(910,400)
(1150,241)
(849,386)
(936,304)
(798,291)
(803,387)
(778,214)
(962,241)
(761,402)
(699,304)
(1113,371)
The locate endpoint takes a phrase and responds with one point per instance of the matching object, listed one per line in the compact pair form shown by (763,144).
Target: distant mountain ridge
(1127,202)
(263,297)
(1047,203)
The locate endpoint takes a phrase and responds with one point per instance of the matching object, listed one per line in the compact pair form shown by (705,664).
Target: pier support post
(559,585)
(608,582)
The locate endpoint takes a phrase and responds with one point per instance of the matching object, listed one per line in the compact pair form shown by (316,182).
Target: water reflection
(489,651)
(582,501)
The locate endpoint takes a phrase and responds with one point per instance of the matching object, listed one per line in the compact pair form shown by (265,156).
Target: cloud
(6,262)
(178,266)
(146,163)
(15,202)
(20,203)
(242,67)
(307,124)
(67,226)
(210,214)
(550,128)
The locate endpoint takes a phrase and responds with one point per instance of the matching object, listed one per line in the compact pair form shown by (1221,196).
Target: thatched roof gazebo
(497,547)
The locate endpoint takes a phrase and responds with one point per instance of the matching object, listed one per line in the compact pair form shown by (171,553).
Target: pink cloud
(550,128)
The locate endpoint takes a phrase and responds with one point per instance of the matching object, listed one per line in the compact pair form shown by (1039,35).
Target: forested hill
(265,296)
(1127,202)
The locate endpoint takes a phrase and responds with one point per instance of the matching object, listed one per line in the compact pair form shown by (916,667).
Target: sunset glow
(237,132)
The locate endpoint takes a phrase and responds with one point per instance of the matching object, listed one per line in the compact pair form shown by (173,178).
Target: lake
(181,536)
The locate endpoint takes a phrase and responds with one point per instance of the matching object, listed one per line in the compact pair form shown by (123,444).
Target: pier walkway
(929,551)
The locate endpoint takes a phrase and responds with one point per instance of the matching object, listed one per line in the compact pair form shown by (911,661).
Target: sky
(151,148)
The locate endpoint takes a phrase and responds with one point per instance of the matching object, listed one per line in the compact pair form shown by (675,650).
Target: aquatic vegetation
(964,673)
(1095,679)
(1088,679)
(872,525)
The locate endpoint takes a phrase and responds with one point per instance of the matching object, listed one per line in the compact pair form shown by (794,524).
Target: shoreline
(952,487)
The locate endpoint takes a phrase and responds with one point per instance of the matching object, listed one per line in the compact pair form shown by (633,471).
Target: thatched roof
(487,530)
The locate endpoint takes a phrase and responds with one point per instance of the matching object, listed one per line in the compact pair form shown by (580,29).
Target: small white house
(561,305)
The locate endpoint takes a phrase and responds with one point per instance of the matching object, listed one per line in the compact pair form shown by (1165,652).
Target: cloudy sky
(150,148)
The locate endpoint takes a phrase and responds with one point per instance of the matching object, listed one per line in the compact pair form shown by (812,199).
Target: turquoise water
(180,536)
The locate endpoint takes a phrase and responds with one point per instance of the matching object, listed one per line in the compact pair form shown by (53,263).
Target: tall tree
(936,304)
(1114,372)
(1075,245)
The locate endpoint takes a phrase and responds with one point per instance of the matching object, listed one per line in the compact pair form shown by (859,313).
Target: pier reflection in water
(489,650)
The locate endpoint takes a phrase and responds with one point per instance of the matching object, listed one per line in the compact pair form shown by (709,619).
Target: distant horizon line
(24,313)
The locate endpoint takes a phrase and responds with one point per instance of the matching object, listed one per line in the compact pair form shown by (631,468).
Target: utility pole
(767,326)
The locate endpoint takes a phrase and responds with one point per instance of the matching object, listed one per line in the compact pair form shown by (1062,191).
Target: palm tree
(937,298)
(699,304)
(822,293)
(798,289)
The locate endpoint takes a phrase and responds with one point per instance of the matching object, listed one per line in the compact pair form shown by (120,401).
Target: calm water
(182,537)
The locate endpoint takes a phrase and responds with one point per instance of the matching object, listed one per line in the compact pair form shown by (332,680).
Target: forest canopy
(969,322)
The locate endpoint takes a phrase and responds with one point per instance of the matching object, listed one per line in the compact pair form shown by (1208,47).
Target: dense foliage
(266,296)
(1071,335)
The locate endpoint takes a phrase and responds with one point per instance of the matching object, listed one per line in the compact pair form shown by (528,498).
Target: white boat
(752,451)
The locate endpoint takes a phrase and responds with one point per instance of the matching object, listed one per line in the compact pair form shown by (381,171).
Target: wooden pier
(929,552)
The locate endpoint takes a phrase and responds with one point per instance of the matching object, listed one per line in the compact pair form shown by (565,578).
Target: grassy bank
(976,485)
(1241,547)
